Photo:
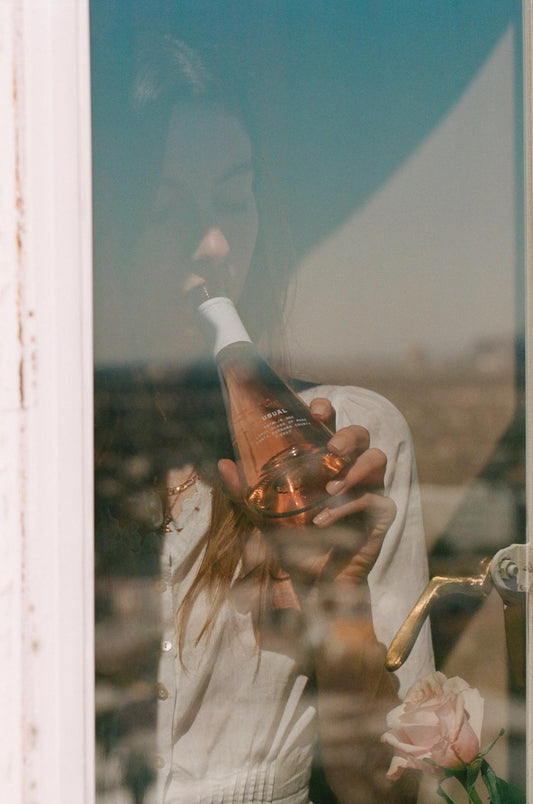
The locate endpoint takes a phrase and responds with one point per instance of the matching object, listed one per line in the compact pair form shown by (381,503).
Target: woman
(260,633)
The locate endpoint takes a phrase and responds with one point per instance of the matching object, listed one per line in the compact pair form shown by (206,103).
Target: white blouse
(234,722)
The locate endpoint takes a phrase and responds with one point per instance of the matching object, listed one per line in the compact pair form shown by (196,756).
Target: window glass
(351,177)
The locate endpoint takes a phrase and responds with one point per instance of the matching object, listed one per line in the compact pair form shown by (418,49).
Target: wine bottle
(280,448)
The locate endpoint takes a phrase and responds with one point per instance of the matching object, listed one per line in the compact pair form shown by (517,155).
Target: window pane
(351,176)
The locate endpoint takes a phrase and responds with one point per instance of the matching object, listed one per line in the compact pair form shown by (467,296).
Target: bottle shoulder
(237,346)
(239,352)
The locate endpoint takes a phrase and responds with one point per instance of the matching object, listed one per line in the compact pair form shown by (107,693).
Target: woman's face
(204,216)
(202,222)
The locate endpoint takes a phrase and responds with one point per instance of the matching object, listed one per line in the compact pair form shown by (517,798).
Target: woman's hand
(358,509)
(356,498)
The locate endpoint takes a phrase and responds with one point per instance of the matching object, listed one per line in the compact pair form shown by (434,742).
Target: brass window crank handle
(474,586)
(510,571)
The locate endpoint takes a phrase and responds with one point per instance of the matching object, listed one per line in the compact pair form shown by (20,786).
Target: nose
(212,247)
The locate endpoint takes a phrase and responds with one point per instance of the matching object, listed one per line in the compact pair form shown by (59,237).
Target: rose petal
(451,717)
(397,767)
(403,748)
(398,718)
(474,705)
(421,735)
(427,687)
(467,744)
(445,755)
(440,720)
(455,685)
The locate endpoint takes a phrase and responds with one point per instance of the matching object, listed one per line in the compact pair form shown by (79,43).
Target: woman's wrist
(344,641)
(344,601)
(335,610)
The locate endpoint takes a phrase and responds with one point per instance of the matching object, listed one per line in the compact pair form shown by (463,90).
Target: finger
(322,409)
(362,562)
(367,471)
(303,553)
(351,440)
(351,564)
(230,478)
(380,512)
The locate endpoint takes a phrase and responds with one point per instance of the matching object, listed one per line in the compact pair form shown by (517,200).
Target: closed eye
(235,207)
(234,193)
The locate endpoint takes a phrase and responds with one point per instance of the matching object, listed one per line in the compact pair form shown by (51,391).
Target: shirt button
(166,646)
(161,586)
(158,761)
(161,692)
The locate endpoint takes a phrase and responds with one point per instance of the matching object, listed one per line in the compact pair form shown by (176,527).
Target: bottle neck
(221,323)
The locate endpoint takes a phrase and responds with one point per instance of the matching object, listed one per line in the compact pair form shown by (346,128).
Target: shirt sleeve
(401,571)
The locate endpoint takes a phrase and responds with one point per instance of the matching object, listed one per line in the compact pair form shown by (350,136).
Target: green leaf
(500,791)
(473,797)
(490,746)
(472,772)
(491,782)
(443,795)
(457,773)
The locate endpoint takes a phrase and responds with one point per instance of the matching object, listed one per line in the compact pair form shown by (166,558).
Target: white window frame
(46,455)
(46,460)
(528,226)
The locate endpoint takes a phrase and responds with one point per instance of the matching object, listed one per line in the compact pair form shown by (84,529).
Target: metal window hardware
(509,571)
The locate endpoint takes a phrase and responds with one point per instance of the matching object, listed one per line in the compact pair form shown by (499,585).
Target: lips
(221,278)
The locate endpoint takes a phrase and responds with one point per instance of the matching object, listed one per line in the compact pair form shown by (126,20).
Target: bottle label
(272,413)
(279,422)
(222,322)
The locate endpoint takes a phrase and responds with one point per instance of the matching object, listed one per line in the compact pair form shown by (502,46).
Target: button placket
(161,692)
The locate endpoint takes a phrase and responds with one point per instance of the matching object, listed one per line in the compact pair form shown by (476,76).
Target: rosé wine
(280,449)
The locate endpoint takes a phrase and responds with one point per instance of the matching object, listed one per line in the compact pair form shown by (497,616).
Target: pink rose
(440,719)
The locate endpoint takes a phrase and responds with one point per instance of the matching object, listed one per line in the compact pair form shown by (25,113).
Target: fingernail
(337,443)
(335,486)
(323,517)
(320,408)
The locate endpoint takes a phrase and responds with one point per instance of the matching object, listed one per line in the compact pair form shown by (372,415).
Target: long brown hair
(170,71)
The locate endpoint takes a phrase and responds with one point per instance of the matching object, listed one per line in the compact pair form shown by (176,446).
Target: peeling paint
(19,229)
(21,383)
(22,536)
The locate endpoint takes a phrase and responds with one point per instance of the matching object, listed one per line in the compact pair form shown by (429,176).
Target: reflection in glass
(396,180)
